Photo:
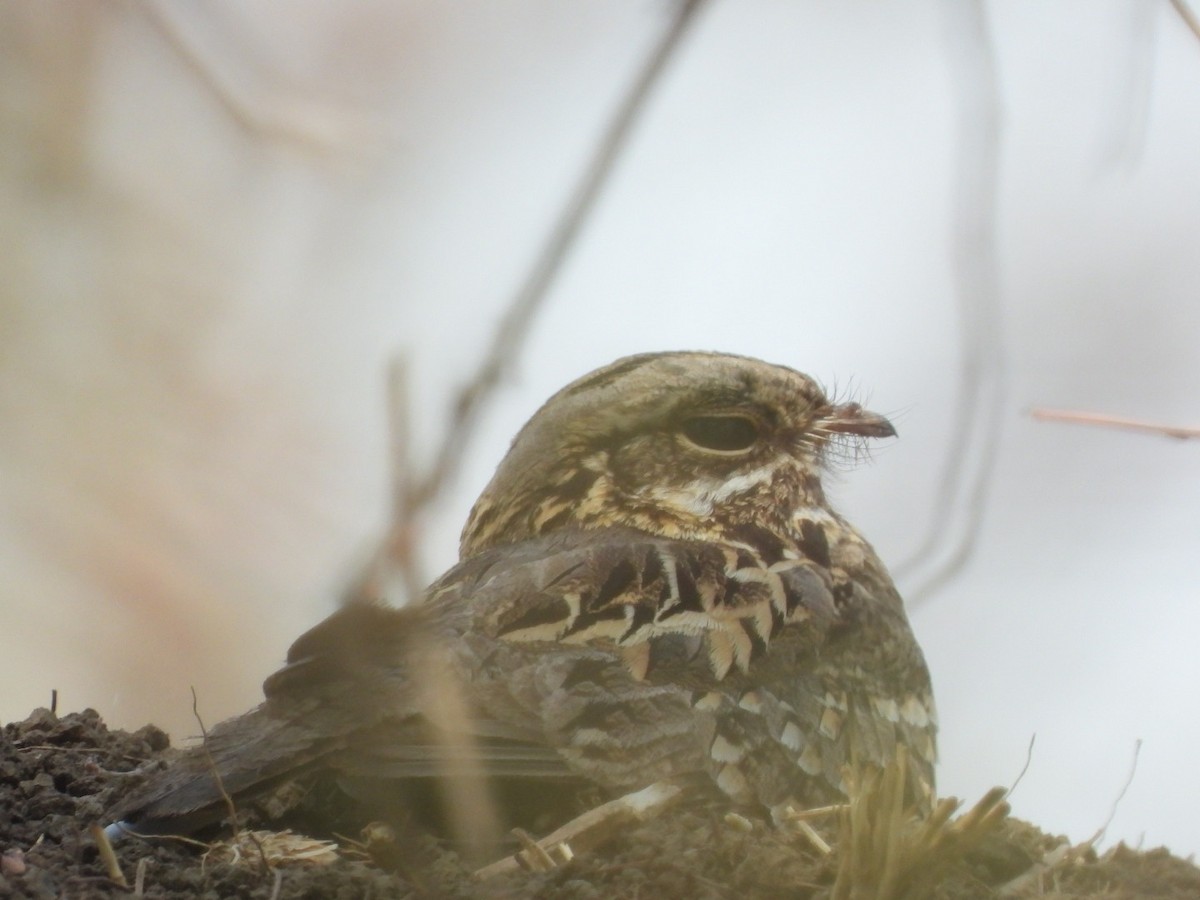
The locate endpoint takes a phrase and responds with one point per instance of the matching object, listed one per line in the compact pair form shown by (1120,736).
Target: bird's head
(683,444)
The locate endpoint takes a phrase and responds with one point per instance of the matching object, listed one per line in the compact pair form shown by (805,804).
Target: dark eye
(725,434)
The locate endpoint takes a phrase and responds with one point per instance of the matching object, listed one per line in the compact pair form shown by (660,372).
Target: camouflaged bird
(653,587)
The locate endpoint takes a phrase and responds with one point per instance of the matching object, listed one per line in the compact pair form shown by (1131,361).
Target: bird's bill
(850,418)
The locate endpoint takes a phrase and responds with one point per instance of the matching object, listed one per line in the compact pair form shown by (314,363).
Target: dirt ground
(59,774)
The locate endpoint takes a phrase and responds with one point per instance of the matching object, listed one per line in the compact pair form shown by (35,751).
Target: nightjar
(652,587)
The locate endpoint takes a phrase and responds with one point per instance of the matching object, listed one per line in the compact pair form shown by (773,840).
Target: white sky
(198,320)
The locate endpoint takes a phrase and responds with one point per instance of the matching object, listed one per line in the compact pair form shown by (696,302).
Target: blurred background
(223,222)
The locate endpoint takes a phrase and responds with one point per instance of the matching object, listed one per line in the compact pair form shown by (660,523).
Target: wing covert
(652,600)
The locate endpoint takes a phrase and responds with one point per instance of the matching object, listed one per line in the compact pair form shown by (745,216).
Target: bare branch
(1042,414)
(514,326)
(403,537)
(1189,17)
(958,510)
(278,116)
(415,492)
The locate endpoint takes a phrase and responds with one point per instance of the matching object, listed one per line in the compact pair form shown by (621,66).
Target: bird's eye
(723,434)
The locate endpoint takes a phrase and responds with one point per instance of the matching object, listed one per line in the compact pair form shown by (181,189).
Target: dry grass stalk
(886,851)
(139,878)
(275,847)
(230,808)
(108,856)
(1032,882)
(588,830)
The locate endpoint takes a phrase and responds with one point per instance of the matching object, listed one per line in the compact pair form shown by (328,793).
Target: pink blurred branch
(1042,414)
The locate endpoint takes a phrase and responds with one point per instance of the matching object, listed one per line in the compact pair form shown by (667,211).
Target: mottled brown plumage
(653,586)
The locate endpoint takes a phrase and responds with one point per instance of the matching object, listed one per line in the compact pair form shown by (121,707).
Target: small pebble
(12,862)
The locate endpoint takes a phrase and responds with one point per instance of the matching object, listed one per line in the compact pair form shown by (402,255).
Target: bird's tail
(342,678)
(240,758)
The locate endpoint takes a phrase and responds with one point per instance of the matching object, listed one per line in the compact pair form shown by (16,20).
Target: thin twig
(415,491)
(216,774)
(471,811)
(212,764)
(290,117)
(1024,768)
(1042,414)
(1103,829)
(514,326)
(403,536)
(958,511)
(1189,17)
